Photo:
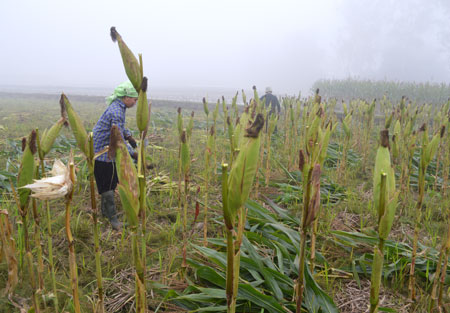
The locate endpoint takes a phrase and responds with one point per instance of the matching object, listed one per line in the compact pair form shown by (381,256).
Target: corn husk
(205,106)
(142,112)
(49,136)
(228,216)
(244,166)
(130,62)
(314,203)
(27,169)
(128,180)
(185,154)
(385,205)
(57,185)
(190,126)
(179,122)
(346,124)
(76,124)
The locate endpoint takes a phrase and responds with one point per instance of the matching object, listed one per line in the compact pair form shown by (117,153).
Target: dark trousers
(105,176)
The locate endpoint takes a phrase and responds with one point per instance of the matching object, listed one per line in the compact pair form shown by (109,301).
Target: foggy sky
(224,44)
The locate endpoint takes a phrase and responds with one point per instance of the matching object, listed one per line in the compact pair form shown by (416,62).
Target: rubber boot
(109,209)
(103,209)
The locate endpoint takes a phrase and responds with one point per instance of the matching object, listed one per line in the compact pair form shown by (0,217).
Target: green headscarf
(125,89)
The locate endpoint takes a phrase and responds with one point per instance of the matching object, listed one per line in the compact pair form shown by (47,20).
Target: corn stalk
(428,151)
(130,186)
(26,174)
(210,143)
(235,191)
(44,145)
(8,251)
(385,203)
(72,258)
(86,144)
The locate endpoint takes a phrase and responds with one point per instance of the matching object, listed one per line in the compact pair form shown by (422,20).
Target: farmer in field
(105,171)
(271,101)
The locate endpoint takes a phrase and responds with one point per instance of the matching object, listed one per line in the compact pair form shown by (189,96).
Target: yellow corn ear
(76,125)
(27,169)
(130,62)
(185,154)
(244,166)
(142,112)
(127,175)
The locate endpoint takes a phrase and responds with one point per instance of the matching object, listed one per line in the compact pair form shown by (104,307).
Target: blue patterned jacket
(113,115)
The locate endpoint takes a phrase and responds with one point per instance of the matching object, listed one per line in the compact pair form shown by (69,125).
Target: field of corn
(328,207)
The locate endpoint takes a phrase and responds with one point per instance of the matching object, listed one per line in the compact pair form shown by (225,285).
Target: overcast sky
(224,44)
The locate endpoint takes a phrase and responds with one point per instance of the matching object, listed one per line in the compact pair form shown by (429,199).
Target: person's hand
(132,142)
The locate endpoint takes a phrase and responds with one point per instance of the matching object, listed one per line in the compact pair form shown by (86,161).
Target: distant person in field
(271,101)
(105,171)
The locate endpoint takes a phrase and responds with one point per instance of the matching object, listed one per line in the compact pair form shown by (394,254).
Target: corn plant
(130,188)
(439,276)
(206,110)
(235,191)
(86,144)
(270,130)
(185,167)
(8,251)
(61,184)
(135,73)
(210,144)
(346,126)
(26,174)
(428,151)
(311,158)
(44,145)
(72,257)
(260,108)
(385,203)
(130,62)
